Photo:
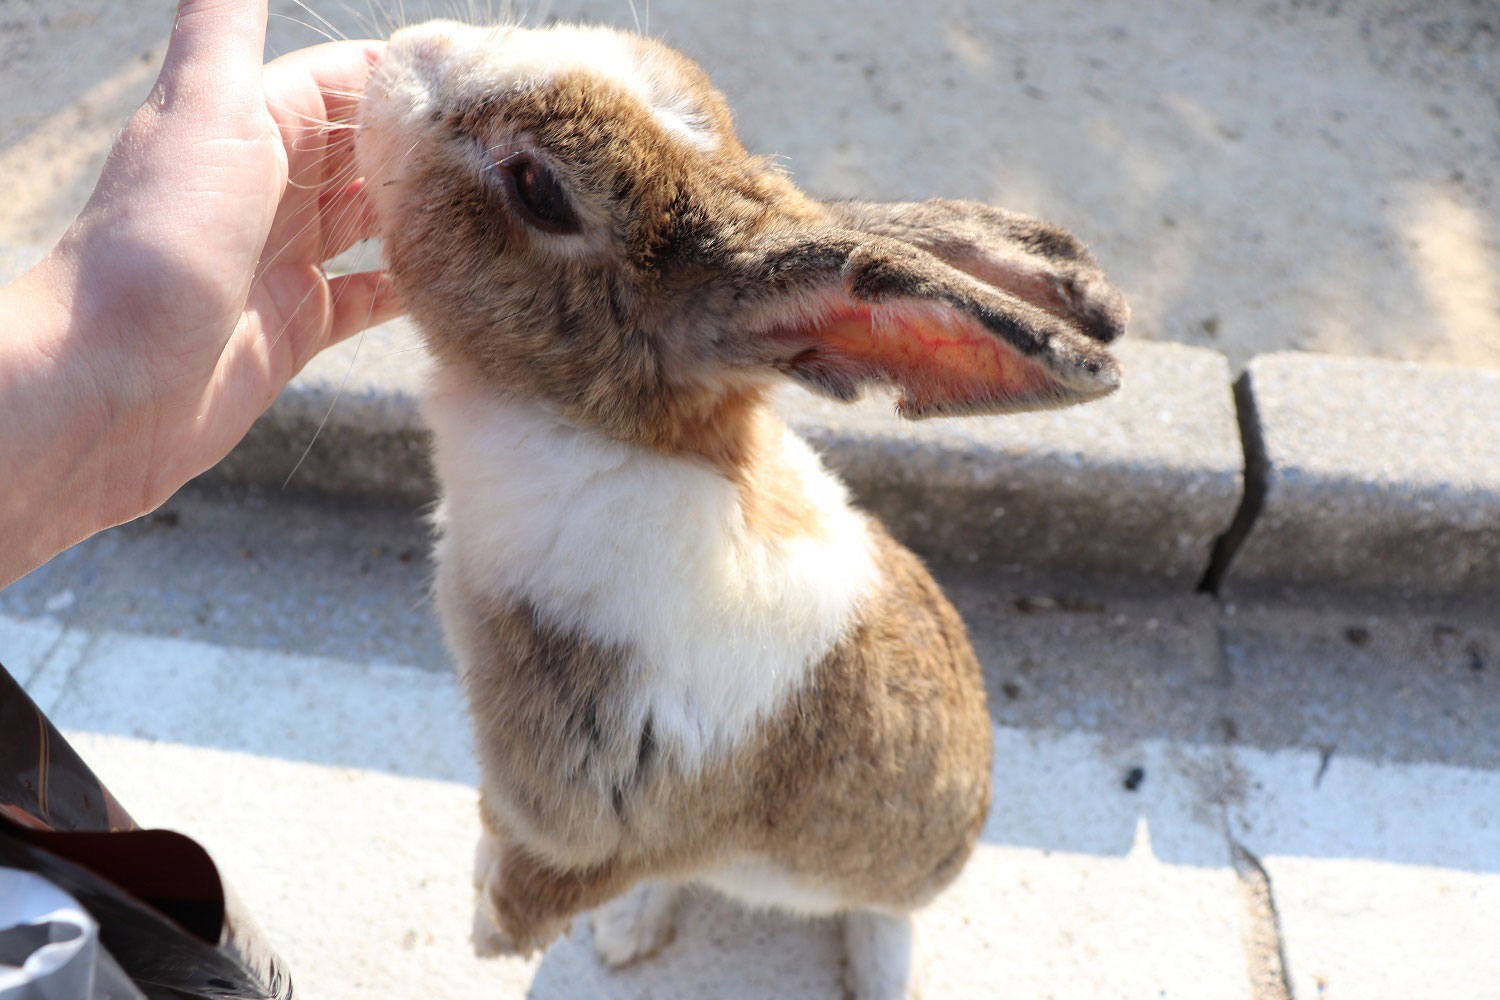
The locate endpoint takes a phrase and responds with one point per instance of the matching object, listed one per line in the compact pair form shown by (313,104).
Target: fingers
(348,217)
(361,301)
(295,313)
(214,42)
(313,94)
(336,71)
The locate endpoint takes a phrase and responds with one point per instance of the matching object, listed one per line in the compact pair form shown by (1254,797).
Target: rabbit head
(569,216)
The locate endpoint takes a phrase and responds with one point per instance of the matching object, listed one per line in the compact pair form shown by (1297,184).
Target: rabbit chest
(696,623)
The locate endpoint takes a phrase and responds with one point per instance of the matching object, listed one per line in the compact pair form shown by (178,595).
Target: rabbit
(688,658)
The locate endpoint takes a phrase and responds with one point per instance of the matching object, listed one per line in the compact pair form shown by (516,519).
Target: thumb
(216,45)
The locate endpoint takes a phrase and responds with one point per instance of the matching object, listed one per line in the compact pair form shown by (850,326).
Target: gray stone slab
(239,632)
(353,788)
(251,569)
(1382,875)
(1086,878)
(1372,476)
(1123,668)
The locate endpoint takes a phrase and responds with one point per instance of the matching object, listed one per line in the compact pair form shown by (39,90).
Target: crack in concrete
(44,661)
(1265,951)
(1263,942)
(1253,483)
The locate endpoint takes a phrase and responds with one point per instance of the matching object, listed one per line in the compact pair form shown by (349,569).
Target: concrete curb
(1368,476)
(1311,475)
(349,423)
(1140,484)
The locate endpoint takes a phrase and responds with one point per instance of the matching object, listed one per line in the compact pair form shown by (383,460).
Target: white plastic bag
(49,946)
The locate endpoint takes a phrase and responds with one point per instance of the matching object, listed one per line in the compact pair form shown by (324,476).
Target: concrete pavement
(1193,799)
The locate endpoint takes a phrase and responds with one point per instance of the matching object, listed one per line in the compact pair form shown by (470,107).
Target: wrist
(53,421)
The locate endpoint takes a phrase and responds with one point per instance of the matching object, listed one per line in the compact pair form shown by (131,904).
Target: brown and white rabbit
(688,658)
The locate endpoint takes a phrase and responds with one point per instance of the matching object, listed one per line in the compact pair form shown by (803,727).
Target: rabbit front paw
(488,939)
(635,925)
(519,910)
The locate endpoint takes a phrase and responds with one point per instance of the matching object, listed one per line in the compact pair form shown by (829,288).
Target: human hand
(190,288)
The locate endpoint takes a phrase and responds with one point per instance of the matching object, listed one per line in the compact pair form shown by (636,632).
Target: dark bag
(165,916)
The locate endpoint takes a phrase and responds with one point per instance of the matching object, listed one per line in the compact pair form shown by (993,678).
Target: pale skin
(190,289)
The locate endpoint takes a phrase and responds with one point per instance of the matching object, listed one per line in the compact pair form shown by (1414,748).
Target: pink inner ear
(1029,284)
(944,360)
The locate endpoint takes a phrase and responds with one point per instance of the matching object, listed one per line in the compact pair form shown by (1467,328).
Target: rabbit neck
(667,554)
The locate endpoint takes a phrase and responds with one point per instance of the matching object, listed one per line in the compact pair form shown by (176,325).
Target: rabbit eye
(539,195)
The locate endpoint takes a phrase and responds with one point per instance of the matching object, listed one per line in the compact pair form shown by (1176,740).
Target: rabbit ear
(1034,260)
(837,309)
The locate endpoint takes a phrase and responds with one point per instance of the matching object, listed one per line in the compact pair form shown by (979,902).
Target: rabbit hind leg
(883,956)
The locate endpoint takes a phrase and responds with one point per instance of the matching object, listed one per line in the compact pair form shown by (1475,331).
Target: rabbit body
(687,657)
(664,688)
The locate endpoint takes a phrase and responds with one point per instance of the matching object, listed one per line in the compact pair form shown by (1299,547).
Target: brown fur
(687,252)
(872,781)
(738,435)
(669,212)
(696,281)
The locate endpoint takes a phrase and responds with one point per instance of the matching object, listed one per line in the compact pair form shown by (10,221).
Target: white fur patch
(628,546)
(635,924)
(479,61)
(756,883)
